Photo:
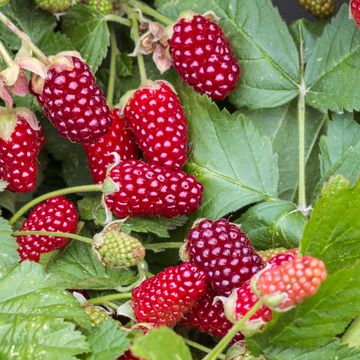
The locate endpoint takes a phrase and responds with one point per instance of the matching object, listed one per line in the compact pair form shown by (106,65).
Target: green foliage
(8,254)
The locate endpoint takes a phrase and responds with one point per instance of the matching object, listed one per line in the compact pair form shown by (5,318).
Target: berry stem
(202,348)
(5,55)
(106,298)
(352,334)
(232,332)
(111,83)
(136,37)
(57,234)
(24,38)
(163,246)
(146,9)
(301,130)
(117,19)
(70,190)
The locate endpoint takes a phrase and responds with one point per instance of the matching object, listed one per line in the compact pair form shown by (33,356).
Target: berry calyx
(96,314)
(355,11)
(163,299)
(321,9)
(224,252)
(104,6)
(119,140)
(54,6)
(118,249)
(150,190)
(56,214)
(282,287)
(203,57)
(158,121)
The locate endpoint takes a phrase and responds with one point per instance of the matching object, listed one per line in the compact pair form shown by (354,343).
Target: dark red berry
(57,214)
(203,57)
(18,157)
(128,356)
(163,299)
(119,139)
(74,103)
(158,121)
(150,190)
(224,252)
(355,11)
(209,317)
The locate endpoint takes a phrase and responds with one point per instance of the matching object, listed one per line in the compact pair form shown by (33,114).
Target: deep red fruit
(163,299)
(74,103)
(284,257)
(355,11)
(18,163)
(284,286)
(119,139)
(203,57)
(128,356)
(149,190)
(57,214)
(158,121)
(209,317)
(224,252)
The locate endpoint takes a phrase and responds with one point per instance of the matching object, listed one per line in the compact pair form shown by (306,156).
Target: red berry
(224,252)
(355,11)
(209,317)
(74,103)
(282,287)
(203,57)
(158,121)
(128,356)
(119,139)
(18,163)
(284,257)
(57,214)
(149,190)
(163,299)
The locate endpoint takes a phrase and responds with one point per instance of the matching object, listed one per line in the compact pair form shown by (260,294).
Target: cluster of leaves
(246,155)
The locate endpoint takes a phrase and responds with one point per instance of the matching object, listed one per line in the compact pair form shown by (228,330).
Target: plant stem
(106,298)
(200,347)
(5,55)
(70,190)
(352,334)
(58,234)
(23,37)
(163,246)
(111,83)
(233,331)
(136,37)
(301,130)
(117,19)
(146,9)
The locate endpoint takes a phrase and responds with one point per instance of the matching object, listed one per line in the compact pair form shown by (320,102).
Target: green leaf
(273,224)
(41,338)
(27,290)
(8,253)
(54,42)
(280,124)
(332,351)
(78,267)
(107,342)
(320,318)
(161,344)
(269,59)
(333,231)
(124,65)
(89,32)
(333,70)
(233,161)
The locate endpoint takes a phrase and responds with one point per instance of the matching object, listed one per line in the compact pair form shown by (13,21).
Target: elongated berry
(56,214)
(118,140)
(282,287)
(155,115)
(203,57)
(18,157)
(74,103)
(150,190)
(355,11)
(163,299)
(224,252)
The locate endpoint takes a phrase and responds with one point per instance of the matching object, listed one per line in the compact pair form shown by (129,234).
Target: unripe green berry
(104,6)
(96,314)
(266,255)
(54,6)
(321,9)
